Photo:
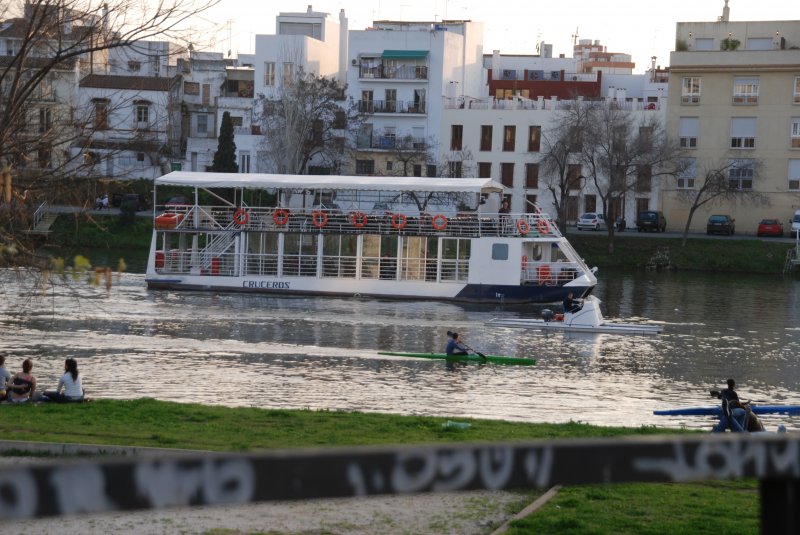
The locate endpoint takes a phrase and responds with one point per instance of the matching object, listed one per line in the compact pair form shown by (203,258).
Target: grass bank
(699,254)
(714,507)
(101,232)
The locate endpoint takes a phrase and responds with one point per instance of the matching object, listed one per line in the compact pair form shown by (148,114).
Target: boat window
(499,251)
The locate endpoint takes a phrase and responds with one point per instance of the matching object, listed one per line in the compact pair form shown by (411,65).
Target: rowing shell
(715,410)
(494,359)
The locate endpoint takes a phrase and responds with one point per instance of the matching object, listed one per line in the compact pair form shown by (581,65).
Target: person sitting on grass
(5,378)
(23,384)
(70,387)
(454,346)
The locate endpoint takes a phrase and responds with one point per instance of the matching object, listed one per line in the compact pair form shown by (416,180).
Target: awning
(404,54)
(328,182)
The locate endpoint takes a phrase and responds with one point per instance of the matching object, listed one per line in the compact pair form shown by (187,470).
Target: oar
(481,355)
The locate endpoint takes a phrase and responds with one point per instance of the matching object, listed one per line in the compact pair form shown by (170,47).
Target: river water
(320,353)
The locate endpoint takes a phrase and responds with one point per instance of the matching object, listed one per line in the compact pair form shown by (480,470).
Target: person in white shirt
(70,387)
(5,378)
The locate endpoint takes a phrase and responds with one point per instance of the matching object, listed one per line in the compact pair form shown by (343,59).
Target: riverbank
(640,508)
(97,232)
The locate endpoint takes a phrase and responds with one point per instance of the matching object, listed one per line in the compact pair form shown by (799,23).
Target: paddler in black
(570,304)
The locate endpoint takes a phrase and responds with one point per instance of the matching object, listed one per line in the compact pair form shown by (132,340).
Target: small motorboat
(588,319)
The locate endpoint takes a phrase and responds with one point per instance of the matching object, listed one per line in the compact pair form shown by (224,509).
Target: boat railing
(550,273)
(466,225)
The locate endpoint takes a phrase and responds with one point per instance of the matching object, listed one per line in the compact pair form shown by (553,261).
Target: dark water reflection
(252,350)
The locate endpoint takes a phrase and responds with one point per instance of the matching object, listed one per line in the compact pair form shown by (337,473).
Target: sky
(640,28)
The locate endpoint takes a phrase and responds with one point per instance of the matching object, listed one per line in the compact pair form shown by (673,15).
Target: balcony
(385,72)
(392,142)
(392,106)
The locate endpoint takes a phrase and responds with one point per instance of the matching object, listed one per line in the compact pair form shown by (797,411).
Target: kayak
(471,357)
(715,410)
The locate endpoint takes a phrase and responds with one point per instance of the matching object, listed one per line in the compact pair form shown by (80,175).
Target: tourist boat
(475,358)
(392,237)
(589,319)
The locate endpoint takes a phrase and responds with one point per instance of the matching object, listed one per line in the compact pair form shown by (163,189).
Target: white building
(400,73)
(145,58)
(123,123)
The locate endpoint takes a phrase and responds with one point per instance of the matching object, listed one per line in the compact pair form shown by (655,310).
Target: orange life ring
(319,219)
(523,227)
(241,217)
(359,219)
(543,226)
(280,216)
(439,222)
(399,221)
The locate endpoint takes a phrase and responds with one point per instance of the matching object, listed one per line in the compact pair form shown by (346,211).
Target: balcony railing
(520,103)
(392,106)
(388,142)
(403,72)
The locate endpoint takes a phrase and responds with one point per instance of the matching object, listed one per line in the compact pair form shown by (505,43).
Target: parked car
(721,224)
(651,220)
(795,223)
(137,202)
(178,200)
(770,227)
(591,221)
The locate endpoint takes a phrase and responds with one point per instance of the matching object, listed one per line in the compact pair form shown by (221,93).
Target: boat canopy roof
(328,182)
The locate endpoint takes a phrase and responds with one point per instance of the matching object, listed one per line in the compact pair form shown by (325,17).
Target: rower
(571,304)
(733,413)
(454,345)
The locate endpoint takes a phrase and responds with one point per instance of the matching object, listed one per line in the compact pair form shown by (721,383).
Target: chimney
(309,8)
(726,13)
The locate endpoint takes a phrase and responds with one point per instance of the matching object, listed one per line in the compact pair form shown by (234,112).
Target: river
(320,353)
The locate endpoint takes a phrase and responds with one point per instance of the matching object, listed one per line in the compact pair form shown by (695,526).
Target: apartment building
(734,106)
(399,73)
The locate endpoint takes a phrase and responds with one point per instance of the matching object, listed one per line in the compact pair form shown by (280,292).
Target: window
(367,104)
(236,120)
(134,66)
(288,73)
(687,132)
(484,170)
(244,162)
(365,167)
(202,123)
(191,88)
(704,43)
(574,176)
(45,120)
(456,133)
(44,157)
(339,120)
(430,170)
(796,90)
(534,138)
(499,251)
(794,175)
(590,203)
(139,156)
(532,175)
(391,101)
(745,90)
(486,137)
(269,74)
(743,132)
(740,174)
(530,204)
(507,174)
(644,178)
(795,135)
(690,90)
(417,169)
(454,169)
(389,165)
(142,115)
(101,114)
(509,138)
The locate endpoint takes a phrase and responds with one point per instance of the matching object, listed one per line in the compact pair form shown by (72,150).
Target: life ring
(523,227)
(280,216)
(439,222)
(241,217)
(359,219)
(319,219)
(543,226)
(399,221)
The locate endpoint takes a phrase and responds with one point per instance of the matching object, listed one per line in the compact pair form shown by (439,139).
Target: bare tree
(562,149)
(308,122)
(621,153)
(409,151)
(50,44)
(726,180)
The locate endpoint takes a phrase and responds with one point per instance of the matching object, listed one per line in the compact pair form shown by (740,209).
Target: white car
(591,221)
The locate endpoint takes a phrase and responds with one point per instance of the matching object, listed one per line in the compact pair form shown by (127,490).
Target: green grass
(101,232)
(714,507)
(699,254)
(147,422)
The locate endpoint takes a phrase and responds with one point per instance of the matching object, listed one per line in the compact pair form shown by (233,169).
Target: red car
(770,227)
